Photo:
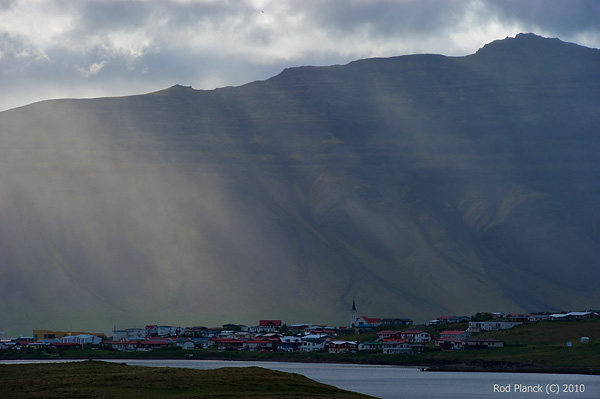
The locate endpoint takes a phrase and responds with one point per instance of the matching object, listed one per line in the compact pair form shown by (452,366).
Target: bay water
(390,382)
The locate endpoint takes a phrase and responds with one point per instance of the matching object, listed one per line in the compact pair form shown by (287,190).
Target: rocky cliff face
(420,184)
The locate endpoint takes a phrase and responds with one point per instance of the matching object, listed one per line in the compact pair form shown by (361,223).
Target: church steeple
(353,314)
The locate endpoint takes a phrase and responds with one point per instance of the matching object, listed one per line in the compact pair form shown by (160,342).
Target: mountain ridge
(420,184)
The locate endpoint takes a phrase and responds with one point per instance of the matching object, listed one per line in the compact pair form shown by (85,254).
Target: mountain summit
(421,185)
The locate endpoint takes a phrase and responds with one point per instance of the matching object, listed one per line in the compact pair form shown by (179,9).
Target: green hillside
(421,185)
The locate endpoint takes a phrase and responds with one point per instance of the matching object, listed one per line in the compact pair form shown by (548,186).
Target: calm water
(399,382)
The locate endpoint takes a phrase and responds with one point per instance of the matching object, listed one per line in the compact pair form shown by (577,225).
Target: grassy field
(97,379)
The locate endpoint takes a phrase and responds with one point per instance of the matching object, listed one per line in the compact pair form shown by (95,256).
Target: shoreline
(475,366)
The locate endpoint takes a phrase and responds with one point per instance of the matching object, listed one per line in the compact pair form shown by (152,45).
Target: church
(364,322)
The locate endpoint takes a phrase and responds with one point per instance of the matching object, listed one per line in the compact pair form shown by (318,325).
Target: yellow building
(49,334)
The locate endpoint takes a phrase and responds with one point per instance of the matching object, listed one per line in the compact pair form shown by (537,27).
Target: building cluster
(46,339)
(393,335)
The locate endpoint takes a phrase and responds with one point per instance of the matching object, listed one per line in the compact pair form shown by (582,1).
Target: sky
(97,48)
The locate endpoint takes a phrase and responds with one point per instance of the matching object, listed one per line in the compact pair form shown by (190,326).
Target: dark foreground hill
(93,379)
(421,185)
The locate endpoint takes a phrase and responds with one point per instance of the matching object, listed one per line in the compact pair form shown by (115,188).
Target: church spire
(353,314)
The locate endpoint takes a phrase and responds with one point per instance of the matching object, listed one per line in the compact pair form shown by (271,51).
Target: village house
(450,320)
(396,322)
(146,344)
(416,336)
(163,331)
(367,322)
(81,339)
(195,331)
(386,334)
(224,344)
(201,342)
(184,343)
(290,344)
(573,316)
(122,345)
(234,335)
(301,328)
(538,317)
(491,325)
(266,326)
(65,345)
(51,334)
(452,339)
(394,346)
(371,346)
(257,344)
(210,333)
(169,331)
(453,334)
(449,343)
(322,331)
(317,342)
(41,344)
(480,343)
(342,346)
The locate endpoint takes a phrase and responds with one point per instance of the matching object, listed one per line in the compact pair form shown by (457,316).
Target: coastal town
(383,335)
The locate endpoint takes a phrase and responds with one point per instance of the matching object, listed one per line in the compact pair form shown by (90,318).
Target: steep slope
(418,184)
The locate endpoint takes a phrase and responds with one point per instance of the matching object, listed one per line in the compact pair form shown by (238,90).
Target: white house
(169,331)
(314,342)
(393,346)
(456,335)
(124,344)
(418,336)
(491,325)
(538,317)
(185,343)
(573,316)
(483,343)
(81,339)
(370,346)
(364,321)
(290,343)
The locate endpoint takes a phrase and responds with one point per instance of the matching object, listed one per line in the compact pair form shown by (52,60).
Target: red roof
(411,332)
(371,320)
(269,323)
(399,340)
(389,332)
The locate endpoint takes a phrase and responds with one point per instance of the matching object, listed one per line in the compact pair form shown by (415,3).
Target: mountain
(420,185)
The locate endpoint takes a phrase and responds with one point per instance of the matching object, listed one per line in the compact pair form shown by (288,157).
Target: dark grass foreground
(97,379)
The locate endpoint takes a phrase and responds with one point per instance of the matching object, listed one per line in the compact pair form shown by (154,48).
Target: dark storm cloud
(59,48)
(390,17)
(570,17)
